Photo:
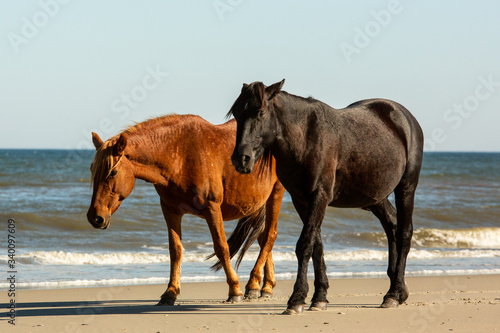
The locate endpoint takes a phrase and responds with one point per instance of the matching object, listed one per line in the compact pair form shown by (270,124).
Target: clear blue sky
(71,67)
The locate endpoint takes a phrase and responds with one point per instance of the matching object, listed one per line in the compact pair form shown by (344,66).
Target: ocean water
(47,193)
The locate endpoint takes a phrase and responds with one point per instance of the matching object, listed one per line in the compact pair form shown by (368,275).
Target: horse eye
(113,174)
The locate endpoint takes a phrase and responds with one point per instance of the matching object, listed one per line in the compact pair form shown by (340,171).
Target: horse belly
(349,198)
(368,185)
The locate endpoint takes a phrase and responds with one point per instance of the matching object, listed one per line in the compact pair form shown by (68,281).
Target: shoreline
(462,303)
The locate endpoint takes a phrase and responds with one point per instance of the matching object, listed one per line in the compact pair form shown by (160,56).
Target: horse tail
(247,231)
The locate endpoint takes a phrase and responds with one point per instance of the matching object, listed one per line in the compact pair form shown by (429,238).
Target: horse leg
(175,249)
(398,292)
(264,262)
(213,216)
(312,217)
(269,278)
(321,284)
(266,242)
(386,213)
(319,301)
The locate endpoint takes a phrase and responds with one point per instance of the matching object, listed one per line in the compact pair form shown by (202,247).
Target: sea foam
(139,258)
(458,238)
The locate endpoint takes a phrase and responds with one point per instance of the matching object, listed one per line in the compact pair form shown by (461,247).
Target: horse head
(112,179)
(256,129)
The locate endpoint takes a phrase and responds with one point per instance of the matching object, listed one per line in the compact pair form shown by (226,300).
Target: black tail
(247,230)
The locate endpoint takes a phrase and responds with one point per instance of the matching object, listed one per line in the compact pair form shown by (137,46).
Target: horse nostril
(246,158)
(99,220)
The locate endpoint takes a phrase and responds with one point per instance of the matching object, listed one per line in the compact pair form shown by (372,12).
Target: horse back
(379,142)
(396,118)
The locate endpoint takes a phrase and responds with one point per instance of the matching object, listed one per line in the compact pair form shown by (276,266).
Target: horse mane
(264,164)
(104,160)
(155,122)
(308,100)
(254,89)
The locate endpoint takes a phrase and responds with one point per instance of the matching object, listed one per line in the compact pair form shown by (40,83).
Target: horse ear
(245,86)
(274,89)
(96,140)
(120,145)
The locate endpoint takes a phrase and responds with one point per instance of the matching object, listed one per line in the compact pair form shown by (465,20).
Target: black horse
(352,157)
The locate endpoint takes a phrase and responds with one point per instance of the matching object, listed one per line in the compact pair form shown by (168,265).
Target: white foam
(76,258)
(129,258)
(440,272)
(458,238)
(437,254)
(115,258)
(367,255)
(156,248)
(108,282)
(383,274)
(211,278)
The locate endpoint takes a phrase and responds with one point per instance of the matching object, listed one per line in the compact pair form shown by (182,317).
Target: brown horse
(188,160)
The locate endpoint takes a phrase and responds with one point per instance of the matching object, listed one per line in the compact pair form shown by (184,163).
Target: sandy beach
(436,304)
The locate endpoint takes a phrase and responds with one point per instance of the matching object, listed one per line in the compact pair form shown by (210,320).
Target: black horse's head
(253,111)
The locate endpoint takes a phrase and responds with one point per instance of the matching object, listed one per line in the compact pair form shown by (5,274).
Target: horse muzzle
(244,163)
(98,221)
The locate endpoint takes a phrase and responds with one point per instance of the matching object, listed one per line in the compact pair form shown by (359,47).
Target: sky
(71,67)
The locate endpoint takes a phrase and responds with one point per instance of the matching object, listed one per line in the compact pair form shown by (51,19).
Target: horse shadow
(124,307)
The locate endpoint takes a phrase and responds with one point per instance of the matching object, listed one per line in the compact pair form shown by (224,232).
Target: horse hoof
(266,295)
(235,299)
(166,302)
(318,306)
(293,310)
(252,294)
(389,303)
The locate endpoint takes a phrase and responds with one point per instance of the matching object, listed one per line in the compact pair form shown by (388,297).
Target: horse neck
(292,117)
(146,157)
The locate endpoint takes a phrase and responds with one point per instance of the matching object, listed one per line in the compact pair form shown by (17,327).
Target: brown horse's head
(112,179)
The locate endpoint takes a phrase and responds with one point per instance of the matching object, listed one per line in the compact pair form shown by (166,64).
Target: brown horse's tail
(247,230)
